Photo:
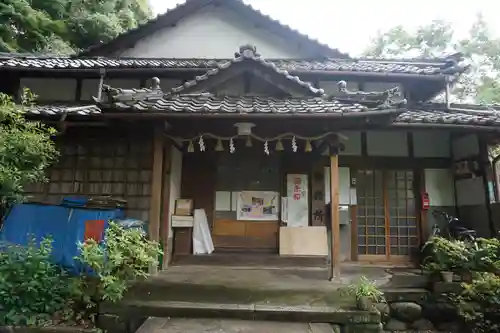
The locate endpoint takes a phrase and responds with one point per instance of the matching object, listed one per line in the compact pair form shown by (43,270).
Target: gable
(247,64)
(212,24)
(211,32)
(250,86)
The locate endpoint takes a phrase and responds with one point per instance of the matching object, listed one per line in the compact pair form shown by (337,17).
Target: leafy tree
(481,84)
(26,150)
(65,26)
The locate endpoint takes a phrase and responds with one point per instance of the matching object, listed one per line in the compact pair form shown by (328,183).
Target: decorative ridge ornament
(247,51)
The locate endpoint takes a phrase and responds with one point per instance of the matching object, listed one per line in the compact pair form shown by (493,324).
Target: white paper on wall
(298,200)
(223,201)
(345,191)
(234,201)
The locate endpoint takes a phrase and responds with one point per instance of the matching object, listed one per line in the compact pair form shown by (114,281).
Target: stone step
(216,293)
(266,312)
(413,331)
(410,279)
(199,325)
(417,295)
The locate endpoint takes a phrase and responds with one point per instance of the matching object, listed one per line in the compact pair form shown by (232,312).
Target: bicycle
(453,230)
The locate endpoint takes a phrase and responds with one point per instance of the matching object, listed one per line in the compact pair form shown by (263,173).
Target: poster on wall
(297,186)
(258,205)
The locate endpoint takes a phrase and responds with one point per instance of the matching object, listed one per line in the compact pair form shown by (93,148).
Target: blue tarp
(65,225)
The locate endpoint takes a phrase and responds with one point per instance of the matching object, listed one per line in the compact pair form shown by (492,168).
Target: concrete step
(410,279)
(256,311)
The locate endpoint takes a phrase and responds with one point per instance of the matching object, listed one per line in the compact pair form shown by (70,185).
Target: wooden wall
(97,162)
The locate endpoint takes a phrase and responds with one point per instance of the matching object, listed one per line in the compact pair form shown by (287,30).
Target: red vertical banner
(94,229)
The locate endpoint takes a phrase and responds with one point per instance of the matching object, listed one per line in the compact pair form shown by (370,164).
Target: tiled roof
(53,110)
(182,10)
(440,66)
(438,114)
(208,103)
(248,55)
(181,99)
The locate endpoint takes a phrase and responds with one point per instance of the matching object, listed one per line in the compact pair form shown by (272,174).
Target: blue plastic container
(66,226)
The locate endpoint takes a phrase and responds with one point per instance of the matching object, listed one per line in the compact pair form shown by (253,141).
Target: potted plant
(441,271)
(366,294)
(446,257)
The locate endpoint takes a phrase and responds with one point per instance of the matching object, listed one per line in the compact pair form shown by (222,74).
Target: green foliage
(26,149)
(125,256)
(487,257)
(65,26)
(366,288)
(35,292)
(447,255)
(479,302)
(32,289)
(480,84)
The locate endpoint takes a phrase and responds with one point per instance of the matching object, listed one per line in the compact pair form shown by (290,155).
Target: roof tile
(208,103)
(290,65)
(248,54)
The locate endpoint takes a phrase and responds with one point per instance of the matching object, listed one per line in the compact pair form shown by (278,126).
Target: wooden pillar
(334,268)
(165,211)
(156,192)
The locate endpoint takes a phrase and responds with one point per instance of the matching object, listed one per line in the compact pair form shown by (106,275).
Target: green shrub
(447,255)
(32,289)
(124,256)
(487,257)
(26,149)
(479,302)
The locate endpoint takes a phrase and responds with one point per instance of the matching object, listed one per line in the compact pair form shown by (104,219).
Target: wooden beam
(156,192)
(335,217)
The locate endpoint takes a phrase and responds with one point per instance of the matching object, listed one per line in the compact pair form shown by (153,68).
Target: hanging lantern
(279,146)
(190,147)
(219,146)
(308,148)
(248,143)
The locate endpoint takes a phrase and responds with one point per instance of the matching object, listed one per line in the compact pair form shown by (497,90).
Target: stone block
(406,294)
(447,287)
(363,328)
(406,311)
(111,323)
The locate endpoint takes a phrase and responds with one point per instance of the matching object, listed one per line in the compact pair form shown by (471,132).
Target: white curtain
(202,240)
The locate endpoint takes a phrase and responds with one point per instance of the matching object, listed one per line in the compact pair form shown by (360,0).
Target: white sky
(349,25)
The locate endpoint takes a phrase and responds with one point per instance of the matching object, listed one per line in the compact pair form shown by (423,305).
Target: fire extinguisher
(425,201)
